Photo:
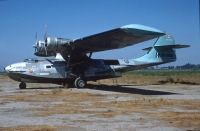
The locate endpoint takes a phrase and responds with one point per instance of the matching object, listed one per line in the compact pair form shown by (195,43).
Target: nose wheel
(79,82)
(22,85)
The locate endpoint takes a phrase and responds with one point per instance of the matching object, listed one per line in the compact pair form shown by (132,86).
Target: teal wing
(116,38)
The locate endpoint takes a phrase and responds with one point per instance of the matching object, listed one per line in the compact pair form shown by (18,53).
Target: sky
(21,19)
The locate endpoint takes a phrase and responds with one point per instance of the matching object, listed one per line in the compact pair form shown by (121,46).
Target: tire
(22,85)
(80,83)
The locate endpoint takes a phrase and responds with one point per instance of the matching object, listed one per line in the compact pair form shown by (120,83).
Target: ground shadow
(124,89)
(115,88)
(46,87)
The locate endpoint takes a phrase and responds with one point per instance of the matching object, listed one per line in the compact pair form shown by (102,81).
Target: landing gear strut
(22,85)
(80,82)
(68,85)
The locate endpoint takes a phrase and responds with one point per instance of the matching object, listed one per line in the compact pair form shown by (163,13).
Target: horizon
(20,20)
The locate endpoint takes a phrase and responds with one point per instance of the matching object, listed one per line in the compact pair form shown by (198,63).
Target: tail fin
(163,51)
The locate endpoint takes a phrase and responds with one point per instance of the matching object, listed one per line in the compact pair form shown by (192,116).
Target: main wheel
(22,85)
(80,83)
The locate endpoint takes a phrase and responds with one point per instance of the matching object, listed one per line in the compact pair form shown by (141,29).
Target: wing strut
(90,55)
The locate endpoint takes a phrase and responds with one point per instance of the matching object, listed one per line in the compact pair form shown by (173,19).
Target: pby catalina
(74,66)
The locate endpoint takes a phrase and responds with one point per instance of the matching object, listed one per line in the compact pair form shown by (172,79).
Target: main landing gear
(77,83)
(80,82)
(22,85)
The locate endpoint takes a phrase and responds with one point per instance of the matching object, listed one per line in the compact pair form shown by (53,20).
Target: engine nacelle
(51,46)
(56,41)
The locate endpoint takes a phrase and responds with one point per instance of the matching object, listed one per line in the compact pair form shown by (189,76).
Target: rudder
(163,51)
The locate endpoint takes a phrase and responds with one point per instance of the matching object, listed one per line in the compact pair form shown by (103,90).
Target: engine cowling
(51,46)
(56,41)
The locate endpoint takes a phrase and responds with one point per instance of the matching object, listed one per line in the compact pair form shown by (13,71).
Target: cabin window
(48,66)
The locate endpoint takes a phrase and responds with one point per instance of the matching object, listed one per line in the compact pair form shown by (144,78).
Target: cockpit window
(31,60)
(48,66)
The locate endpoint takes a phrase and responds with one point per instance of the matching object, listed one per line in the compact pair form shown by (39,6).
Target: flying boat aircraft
(73,65)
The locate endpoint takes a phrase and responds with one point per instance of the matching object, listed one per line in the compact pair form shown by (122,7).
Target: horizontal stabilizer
(177,46)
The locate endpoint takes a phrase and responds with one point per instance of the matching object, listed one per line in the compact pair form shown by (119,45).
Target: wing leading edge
(116,38)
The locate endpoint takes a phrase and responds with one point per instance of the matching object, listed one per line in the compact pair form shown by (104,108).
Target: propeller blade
(45,50)
(36,41)
(36,36)
(45,34)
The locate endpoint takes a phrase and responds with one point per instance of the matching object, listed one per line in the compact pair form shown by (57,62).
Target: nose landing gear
(22,85)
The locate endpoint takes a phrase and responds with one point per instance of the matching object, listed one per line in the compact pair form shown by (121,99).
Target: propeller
(36,36)
(45,39)
(45,48)
(36,43)
(41,45)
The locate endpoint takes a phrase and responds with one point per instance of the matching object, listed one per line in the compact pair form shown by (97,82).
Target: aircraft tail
(163,51)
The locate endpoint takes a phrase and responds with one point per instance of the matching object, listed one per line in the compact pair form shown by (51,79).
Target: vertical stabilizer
(163,51)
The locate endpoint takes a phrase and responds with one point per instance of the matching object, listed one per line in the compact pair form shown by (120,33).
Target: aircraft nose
(7,68)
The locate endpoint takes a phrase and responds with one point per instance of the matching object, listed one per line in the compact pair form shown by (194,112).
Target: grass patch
(157,77)
(164,73)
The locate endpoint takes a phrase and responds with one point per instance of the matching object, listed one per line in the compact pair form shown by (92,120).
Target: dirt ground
(47,107)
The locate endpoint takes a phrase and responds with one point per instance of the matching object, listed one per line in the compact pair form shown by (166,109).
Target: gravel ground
(99,107)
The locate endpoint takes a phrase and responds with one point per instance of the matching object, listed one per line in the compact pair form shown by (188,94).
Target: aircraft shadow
(31,88)
(132,90)
(116,88)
